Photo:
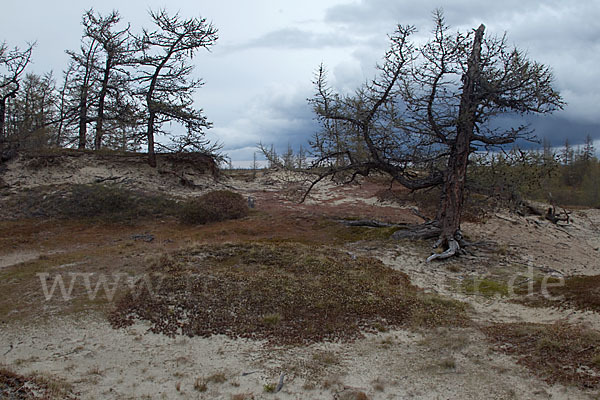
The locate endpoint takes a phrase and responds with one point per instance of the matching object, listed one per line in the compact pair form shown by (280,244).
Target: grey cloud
(295,38)
(278,116)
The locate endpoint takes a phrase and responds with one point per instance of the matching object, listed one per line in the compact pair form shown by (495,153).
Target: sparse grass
(558,353)
(445,340)
(218,377)
(331,382)
(356,233)
(447,363)
(242,396)
(351,394)
(200,385)
(230,289)
(19,387)
(326,358)
(378,385)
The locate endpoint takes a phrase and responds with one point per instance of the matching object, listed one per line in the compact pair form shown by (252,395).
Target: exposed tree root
(370,223)
(431,230)
(428,230)
(453,249)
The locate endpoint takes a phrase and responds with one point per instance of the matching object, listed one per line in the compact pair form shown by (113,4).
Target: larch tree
(166,76)
(13,63)
(428,109)
(84,78)
(118,51)
(33,112)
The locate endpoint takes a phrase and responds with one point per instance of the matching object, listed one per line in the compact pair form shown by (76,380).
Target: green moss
(485,287)
(269,387)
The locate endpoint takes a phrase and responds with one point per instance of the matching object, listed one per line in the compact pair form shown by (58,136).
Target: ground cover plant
(558,353)
(107,202)
(286,293)
(579,292)
(117,203)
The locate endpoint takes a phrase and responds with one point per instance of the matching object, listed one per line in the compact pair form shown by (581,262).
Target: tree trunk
(2,116)
(449,214)
(82,120)
(455,176)
(102,96)
(150,135)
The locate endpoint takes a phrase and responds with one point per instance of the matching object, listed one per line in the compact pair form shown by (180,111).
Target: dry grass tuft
(558,353)
(288,293)
(351,394)
(242,396)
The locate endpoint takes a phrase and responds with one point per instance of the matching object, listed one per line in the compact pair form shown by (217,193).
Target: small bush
(219,205)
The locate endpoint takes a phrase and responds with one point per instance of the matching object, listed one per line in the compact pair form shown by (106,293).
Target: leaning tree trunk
(455,176)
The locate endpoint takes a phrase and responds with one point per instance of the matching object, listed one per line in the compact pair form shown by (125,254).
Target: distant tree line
(118,91)
(566,176)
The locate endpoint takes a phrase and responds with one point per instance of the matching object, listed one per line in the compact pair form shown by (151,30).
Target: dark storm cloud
(562,34)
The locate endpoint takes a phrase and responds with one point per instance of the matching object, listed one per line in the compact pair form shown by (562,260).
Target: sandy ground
(133,363)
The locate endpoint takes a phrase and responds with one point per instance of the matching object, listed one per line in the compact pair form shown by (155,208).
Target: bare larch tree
(165,76)
(428,109)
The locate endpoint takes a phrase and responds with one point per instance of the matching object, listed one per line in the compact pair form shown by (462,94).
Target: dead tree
(165,74)
(428,109)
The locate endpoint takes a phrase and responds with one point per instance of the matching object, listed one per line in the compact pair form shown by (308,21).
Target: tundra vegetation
(288,275)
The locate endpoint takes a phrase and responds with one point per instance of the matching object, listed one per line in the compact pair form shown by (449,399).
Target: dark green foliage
(219,205)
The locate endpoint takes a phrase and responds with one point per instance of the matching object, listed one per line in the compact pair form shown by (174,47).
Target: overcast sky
(259,74)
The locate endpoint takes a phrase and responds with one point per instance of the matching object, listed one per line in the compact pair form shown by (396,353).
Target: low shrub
(219,205)
(93,201)
(558,353)
(285,293)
